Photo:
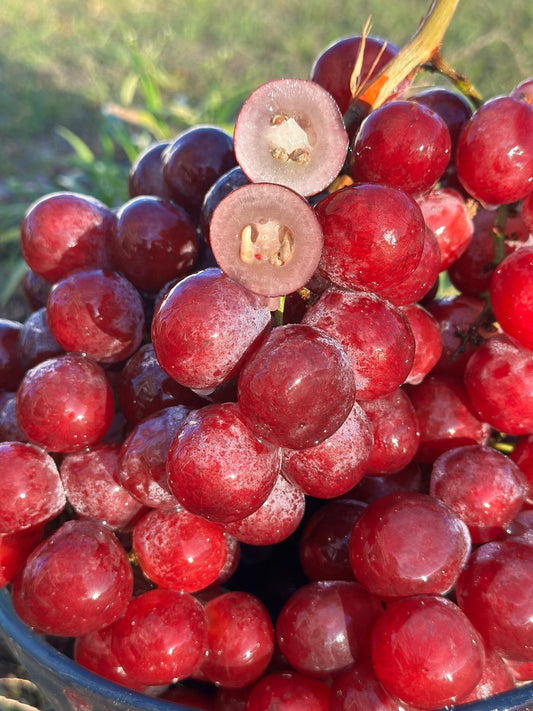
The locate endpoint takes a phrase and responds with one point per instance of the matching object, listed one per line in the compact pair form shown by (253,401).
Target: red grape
(324,542)
(161,637)
(217,468)
(460,330)
(499,381)
(358,689)
(76,581)
(408,544)
(278,386)
(396,432)
(240,639)
(428,341)
(495,152)
(373,236)
(511,295)
(97,312)
(200,346)
(446,416)
(446,216)
(334,466)
(402,144)
(426,652)
(325,626)
(275,520)
(31,492)
(92,485)
(288,691)
(472,272)
(492,592)
(143,456)
(420,281)
(484,487)
(93,651)
(65,403)
(496,678)
(65,231)
(522,455)
(375,334)
(178,550)
(14,550)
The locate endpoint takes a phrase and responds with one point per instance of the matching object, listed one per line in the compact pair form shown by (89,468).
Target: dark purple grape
(146,173)
(155,241)
(194,161)
(226,184)
(333,67)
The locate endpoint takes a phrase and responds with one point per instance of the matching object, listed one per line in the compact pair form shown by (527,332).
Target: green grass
(60,62)
(63,64)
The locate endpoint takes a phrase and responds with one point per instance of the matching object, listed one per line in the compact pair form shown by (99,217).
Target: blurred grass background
(63,64)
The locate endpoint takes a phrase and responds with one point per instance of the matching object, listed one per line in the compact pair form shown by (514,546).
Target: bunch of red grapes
(250,458)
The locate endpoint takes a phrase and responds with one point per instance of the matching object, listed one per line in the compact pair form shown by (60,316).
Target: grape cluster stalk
(252,458)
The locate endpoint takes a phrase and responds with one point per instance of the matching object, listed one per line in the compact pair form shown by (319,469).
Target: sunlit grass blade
(79,146)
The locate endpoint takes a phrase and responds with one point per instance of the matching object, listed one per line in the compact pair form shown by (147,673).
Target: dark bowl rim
(34,645)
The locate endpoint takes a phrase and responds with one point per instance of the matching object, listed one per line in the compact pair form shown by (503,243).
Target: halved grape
(267,238)
(290,131)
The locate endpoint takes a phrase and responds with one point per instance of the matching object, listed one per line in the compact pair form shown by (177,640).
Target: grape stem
(421,48)
(461,81)
(498,235)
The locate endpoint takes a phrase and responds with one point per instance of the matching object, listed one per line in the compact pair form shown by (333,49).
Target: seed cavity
(289,142)
(266,241)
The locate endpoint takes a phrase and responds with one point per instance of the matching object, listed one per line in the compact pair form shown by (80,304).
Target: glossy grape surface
(278,385)
(374,333)
(76,581)
(65,404)
(373,236)
(62,232)
(495,152)
(201,347)
(402,144)
(412,662)
(217,468)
